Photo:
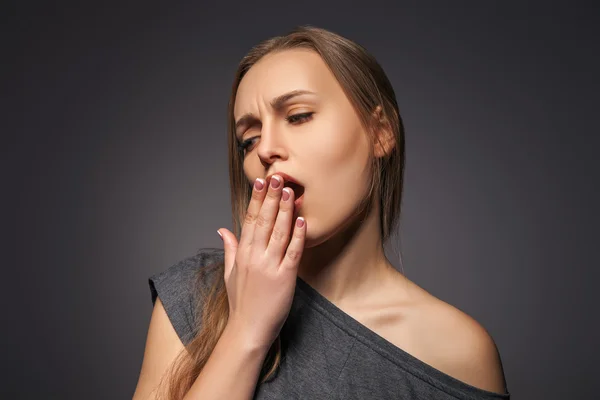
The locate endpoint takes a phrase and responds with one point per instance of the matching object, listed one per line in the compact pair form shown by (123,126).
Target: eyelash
(296,117)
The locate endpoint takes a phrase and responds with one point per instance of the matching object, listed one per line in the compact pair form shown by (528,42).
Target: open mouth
(298,189)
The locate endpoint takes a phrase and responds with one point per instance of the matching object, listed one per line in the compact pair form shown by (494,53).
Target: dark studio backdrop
(115,165)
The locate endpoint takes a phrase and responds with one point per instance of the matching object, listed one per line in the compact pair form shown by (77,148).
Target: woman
(306,305)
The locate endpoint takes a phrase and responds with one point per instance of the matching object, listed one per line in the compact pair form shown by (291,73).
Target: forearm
(232,370)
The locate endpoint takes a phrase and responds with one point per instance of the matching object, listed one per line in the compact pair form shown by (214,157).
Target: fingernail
(220,235)
(275,182)
(286,194)
(259,184)
(300,222)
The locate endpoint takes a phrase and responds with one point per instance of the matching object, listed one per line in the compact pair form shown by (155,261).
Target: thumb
(230,245)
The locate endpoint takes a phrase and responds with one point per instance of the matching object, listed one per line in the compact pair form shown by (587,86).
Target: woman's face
(322,144)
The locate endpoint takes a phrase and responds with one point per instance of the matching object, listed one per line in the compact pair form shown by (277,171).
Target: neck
(351,264)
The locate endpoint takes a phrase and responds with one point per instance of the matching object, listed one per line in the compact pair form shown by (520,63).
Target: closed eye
(295,119)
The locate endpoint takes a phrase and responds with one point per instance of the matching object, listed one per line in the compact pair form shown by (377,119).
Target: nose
(271,145)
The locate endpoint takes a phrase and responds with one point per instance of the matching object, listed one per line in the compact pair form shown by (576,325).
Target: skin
(329,155)
(340,249)
(343,258)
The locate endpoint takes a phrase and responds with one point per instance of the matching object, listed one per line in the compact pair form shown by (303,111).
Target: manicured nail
(300,222)
(259,184)
(220,235)
(275,182)
(286,194)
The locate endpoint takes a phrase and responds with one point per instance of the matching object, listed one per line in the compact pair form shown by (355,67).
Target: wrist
(244,341)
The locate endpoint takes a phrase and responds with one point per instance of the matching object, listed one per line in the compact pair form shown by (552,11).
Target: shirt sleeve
(176,288)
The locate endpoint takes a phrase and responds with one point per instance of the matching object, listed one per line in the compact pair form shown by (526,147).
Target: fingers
(258,195)
(294,251)
(230,246)
(280,235)
(268,222)
(267,214)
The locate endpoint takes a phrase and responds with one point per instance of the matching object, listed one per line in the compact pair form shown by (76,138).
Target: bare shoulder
(162,348)
(456,344)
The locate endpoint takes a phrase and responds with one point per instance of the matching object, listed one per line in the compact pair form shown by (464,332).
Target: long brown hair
(369,90)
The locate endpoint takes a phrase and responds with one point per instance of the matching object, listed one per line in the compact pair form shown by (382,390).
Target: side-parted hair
(372,96)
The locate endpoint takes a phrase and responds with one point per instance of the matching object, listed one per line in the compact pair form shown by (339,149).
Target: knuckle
(286,206)
(277,234)
(293,255)
(262,221)
(298,234)
(256,195)
(250,218)
(271,194)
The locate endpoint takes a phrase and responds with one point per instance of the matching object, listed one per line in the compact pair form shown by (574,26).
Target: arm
(260,291)
(162,347)
(231,371)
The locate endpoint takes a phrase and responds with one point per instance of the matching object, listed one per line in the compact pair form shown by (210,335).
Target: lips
(289,181)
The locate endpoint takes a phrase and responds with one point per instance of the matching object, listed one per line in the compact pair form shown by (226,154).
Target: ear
(384,138)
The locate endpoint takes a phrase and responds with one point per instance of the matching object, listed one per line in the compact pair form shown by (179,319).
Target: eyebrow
(277,104)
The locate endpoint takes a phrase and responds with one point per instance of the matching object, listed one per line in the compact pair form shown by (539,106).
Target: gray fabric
(326,354)
(175,287)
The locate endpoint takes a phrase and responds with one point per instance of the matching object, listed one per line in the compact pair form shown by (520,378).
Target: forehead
(280,73)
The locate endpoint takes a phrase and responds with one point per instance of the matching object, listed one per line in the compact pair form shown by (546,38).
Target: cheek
(252,168)
(341,165)
(343,156)
(338,141)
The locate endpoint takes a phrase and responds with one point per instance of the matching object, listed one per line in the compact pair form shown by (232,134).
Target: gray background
(114,168)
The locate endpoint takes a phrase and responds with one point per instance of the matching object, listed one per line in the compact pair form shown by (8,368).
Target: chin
(320,230)
(315,236)
(309,243)
(311,239)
